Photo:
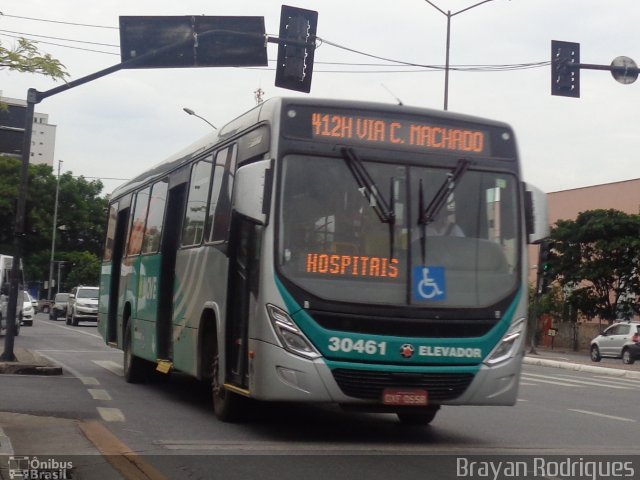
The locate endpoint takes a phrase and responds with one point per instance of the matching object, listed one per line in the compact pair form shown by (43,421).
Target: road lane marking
(552,382)
(596,414)
(99,394)
(624,381)
(75,329)
(119,454)
(111,414)
(113,367)
(575,380)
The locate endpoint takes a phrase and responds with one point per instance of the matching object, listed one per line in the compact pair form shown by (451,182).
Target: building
(566,205)
(43,137)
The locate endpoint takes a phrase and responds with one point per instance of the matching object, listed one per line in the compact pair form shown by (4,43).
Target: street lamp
(191,112)
(448,14)
(53,233)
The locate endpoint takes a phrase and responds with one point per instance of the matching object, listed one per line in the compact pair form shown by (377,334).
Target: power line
(57,21)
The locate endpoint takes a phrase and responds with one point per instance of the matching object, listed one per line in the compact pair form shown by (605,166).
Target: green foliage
(25,57)
(81,222)
(598,261)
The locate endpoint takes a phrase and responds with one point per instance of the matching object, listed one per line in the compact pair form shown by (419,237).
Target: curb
(613,372)
(29,363)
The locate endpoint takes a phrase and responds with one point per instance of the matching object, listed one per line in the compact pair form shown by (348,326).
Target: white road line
(113,367)
(75,329)
(624,381)
(111,414)
(596,414)
(581,382)
(527,383)
(75,373)
(99,394)
(552,382)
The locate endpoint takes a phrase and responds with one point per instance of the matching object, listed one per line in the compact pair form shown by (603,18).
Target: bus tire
(415,418)
(228,406)
(135,368)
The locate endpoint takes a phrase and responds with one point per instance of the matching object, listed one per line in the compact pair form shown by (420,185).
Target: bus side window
(136,231)
(218,218)
(111,232)
(194,216)
(155,217)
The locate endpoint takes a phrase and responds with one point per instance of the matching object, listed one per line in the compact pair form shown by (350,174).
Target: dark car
(59,307)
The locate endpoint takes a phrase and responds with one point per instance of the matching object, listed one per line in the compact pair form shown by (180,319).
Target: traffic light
(296,48)
(565,78)
(546,273)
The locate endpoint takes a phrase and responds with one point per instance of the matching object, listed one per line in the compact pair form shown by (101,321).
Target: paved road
(169,431)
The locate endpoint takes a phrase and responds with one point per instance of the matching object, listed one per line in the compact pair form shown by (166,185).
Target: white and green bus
(372,256)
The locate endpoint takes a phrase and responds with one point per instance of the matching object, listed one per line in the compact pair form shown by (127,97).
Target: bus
(293,255)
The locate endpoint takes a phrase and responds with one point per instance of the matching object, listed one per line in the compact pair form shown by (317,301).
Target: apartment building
(43,136)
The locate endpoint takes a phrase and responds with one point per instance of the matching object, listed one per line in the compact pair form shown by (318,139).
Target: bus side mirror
(252,190)
(536,214)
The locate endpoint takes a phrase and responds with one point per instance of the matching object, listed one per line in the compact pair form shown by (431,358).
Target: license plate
(406,397)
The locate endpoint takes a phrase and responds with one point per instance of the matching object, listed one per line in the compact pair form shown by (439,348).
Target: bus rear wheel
(136,370)
(227,405)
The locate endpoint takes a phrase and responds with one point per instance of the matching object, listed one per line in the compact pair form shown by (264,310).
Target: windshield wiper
(428,214)
(369,190)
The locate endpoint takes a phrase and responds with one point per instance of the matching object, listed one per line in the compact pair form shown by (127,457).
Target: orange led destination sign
(397,132)
(352,265)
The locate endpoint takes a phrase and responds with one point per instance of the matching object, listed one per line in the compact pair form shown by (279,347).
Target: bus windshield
(333,244)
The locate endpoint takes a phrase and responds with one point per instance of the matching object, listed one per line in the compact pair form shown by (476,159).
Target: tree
(81,221)
(25,57)
(598,260)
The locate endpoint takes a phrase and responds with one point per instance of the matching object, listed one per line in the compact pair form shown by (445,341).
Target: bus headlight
(290,335)
(509,344)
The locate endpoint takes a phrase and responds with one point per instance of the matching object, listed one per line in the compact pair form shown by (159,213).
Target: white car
(28,312)
(615,341)
(83,305)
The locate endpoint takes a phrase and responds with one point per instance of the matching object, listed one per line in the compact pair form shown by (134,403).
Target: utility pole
(53,233)
(449,15)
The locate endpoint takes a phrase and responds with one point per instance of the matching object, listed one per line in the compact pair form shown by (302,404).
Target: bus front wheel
(227,405)
(418,418)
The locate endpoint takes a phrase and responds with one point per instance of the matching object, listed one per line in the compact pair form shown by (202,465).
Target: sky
(122,124)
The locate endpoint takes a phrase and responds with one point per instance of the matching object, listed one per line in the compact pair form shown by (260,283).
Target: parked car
(59,306)
(83,305)
(34,303)
(615,340)
(4,305)
(631,354)
(28,312)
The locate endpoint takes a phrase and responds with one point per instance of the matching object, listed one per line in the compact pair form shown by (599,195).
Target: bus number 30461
(347,345)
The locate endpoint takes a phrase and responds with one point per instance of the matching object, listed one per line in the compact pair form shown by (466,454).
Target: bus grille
(370,385)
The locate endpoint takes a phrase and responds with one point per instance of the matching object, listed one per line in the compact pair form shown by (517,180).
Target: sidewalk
(580,361)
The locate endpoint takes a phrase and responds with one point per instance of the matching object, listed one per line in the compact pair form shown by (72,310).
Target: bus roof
(269,110)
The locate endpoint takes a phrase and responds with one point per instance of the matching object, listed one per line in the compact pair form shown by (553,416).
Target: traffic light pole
(566,66)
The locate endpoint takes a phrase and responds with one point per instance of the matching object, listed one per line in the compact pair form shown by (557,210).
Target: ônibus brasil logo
(407,350)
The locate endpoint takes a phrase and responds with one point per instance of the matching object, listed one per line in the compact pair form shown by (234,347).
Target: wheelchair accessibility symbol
(429,283)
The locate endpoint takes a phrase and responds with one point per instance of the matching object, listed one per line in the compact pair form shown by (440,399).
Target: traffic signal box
(546,273)
(296,48)
(565,70)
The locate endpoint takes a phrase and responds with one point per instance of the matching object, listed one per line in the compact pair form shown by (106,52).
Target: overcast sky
(121,124)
